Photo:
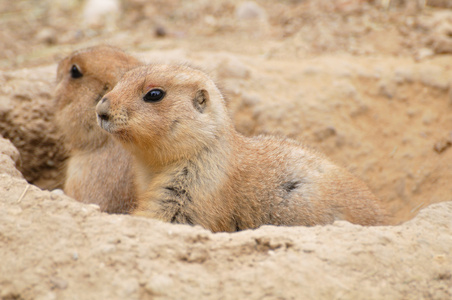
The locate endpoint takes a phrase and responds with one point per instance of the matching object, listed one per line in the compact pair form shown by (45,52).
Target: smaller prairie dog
(192,166)
(99,170)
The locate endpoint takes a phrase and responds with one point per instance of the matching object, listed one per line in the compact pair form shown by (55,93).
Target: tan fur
(98,168)
(193,167)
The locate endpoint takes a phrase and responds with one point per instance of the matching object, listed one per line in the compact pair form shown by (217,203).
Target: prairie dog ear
(200,101)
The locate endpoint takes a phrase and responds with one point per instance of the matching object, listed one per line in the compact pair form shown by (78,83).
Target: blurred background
(34,32)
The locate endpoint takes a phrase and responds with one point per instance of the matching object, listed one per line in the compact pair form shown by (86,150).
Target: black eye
(154,95)
(75,72)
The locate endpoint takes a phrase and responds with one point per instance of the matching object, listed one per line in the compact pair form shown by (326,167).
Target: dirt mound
(60,248)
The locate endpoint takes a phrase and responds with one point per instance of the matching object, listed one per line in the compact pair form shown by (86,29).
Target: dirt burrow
(53,247)
(387,120)
(26,114)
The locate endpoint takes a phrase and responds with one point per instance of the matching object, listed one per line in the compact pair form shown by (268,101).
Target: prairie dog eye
(75,72)
(154,95)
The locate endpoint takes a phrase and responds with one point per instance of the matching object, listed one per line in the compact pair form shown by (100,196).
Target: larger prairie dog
(98,169)
(193,167)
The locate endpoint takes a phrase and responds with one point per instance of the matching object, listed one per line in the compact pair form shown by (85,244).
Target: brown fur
(193,167)
(98,168)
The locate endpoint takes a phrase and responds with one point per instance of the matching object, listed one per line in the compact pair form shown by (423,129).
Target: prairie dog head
(164,112)
(83,78)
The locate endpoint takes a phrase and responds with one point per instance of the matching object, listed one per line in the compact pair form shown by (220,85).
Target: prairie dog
(98,169)
(193,167)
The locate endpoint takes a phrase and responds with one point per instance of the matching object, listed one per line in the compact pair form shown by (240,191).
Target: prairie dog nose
(103,109)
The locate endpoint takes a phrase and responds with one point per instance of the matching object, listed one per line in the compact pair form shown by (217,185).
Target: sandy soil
(365,83)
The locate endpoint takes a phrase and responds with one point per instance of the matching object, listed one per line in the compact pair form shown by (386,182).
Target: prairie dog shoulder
(193,167)
(98,169)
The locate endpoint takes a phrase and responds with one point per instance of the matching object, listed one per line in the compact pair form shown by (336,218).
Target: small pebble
(160,31)
(442,145)
(250,11)
(59,283)
(47,36)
